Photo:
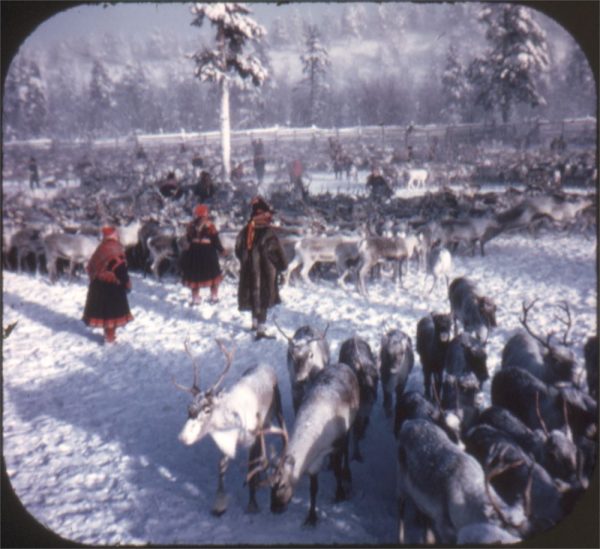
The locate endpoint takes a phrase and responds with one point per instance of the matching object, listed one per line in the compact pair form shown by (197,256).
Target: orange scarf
(260,220)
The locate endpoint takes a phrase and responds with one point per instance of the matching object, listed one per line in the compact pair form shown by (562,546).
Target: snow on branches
(234,30)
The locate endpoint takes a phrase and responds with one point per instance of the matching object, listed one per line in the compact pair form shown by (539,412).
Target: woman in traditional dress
(106,305)
(200,262)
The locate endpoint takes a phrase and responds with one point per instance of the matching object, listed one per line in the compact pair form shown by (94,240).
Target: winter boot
(110,334)
(196,299)
(261,332)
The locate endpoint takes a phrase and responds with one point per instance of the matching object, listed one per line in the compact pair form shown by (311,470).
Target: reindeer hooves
(311,519)
(252,508)
(340,495)
(357,456)
(220,505)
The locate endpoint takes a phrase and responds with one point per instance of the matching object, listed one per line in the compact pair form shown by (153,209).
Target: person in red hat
(261,259)
(106,305)
(200,262)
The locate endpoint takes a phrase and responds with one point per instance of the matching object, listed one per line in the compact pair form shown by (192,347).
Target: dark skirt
(200,266)
(106,305)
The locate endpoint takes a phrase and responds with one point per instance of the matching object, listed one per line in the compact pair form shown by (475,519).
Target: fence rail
(579,131)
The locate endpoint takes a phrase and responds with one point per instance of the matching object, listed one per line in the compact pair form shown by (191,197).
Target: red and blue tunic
(200,262)
(106,304)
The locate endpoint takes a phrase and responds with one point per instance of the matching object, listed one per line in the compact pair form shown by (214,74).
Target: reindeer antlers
(229,360)
(282,332)
(563,306)
(195,388)
(263,460)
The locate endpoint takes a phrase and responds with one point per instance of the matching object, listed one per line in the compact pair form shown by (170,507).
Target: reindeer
(476,313)
(439,264)
(446,484)
(233,418)
(396,360)
(415,178)
(308,354)
(321,428)
(357,353)
(26,241)
(75,248)
(544,359)
(333,249)
(470,231)
(374,249)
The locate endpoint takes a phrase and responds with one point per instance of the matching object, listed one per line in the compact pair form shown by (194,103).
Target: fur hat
(260,205)
(108,232)
(201,210)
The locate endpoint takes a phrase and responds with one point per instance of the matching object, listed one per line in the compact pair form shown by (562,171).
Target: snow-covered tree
(134,104)
(25,105)
(315,67)
(101,98)
(579,76)
(227,64)
(279,35)
(455,87)
(352,21)
(508,74)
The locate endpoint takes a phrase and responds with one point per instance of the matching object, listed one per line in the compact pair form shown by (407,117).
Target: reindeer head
(202,408)
(558,357)
(281,485)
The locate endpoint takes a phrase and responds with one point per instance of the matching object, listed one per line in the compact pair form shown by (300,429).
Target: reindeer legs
(256,452)
(311,518)
(220,504)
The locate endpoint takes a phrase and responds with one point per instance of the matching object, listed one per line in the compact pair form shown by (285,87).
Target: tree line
(107,86)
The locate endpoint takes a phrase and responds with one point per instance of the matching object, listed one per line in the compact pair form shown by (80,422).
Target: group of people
(257,248)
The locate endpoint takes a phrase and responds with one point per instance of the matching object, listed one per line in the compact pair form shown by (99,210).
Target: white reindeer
(75,248)
(416,178)
(233,418)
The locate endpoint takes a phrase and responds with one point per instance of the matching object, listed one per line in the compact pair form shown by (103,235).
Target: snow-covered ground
(90,431)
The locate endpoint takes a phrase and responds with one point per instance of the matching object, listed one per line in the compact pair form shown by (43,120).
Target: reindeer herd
(465,473)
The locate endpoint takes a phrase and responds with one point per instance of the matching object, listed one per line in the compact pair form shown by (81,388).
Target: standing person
(106,305)
(200,262)
(377,185)
(261,260)
(296,171)
(259,159)
(34,177)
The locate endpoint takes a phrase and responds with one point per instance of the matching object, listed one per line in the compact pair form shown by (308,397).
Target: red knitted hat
(201,210)
(108,231)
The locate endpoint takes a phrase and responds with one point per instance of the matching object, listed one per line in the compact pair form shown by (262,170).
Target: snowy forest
(351,64)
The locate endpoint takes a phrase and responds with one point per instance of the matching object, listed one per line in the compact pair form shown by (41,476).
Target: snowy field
(90,431)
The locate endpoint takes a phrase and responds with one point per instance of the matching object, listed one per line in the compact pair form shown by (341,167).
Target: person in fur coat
(106,305)
(261,260)
(200,262)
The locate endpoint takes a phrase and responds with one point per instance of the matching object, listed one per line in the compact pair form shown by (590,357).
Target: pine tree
(579,76)
(226,64)
(455,88)
(100,95)
(518,54)
(25,104)
(315,66)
